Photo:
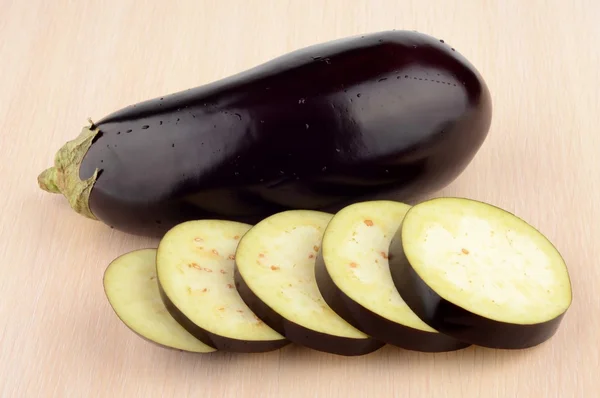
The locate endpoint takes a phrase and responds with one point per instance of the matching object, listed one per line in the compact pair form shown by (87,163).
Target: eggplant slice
(275,276)
(480,274)
(132,291)
(354,277)
(195,262)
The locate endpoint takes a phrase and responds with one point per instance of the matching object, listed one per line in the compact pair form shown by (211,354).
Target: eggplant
(275,276)
(480,274)
(194,266)
(394,114)
(132,291)
(353,275)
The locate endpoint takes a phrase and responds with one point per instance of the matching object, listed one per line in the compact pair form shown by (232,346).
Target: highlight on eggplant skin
(393,114)
(480,274)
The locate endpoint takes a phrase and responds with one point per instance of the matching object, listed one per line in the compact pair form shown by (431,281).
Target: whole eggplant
(395,114)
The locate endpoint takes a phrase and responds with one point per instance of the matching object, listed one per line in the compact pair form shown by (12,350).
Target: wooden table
(63,61)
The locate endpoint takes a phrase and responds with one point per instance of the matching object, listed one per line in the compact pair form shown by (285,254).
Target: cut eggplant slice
(353,276)
(275,276)
(195,262)
(480,274)
(132,291)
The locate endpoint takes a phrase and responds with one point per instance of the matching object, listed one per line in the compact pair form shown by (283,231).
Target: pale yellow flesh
(355,250)
(132,291)
(486,260)
(195,263)
(277,259)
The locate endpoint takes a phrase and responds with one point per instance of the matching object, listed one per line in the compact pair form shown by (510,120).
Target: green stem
(64,176)
(47,180)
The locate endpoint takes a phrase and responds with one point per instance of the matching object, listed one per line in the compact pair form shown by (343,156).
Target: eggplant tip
(47,180)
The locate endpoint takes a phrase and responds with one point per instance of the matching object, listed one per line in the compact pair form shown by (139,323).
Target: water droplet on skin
(102,161)
(118,132)
(144,127)
(307,126)
(129,131)
(453,49)
(160,122)
(324,168)
(441,41)
(406,76)
(338,150)
(414,46)
(301,100)
(327,61)
(215,126)
(236,173)
(262,121)
(358,95)
(238,116)
(382,79)
(172,145)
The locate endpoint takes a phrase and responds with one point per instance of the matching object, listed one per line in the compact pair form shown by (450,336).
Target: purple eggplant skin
(299,334)
(455,321)
(220,343)
(395,114)
(377,326)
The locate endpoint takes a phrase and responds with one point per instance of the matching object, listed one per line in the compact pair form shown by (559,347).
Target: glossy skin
(394,115)
(377,326)
(301,335)
(456,321)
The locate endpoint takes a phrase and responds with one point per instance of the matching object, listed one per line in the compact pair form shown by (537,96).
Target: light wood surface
(62,61)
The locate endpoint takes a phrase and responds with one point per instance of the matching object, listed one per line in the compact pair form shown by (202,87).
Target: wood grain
(64,61)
